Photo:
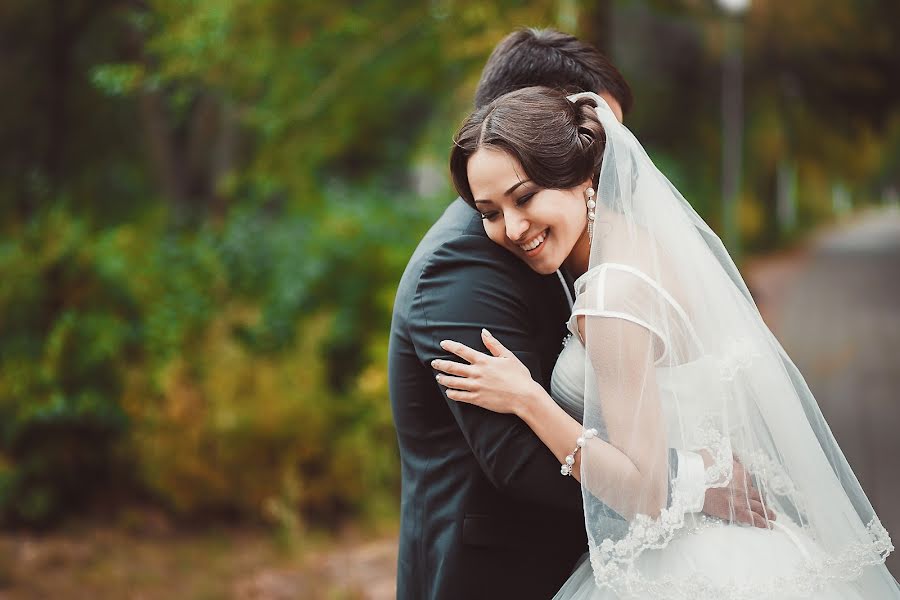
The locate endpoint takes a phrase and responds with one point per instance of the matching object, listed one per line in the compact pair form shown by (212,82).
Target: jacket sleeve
(465,286)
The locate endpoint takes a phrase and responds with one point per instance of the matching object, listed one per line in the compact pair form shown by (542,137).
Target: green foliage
(223,370)
(69,323)
(281,394)
(117,80)
(281,397)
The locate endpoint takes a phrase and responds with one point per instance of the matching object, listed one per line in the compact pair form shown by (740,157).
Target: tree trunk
(596,25)
(161,146)
(60,72)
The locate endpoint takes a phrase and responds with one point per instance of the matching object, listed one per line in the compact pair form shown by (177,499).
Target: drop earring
(591,215)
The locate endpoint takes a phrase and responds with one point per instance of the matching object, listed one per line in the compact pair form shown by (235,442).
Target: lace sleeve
(622,318)
(621,291)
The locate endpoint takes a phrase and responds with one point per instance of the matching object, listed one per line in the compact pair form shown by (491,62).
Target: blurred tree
(822,86)
(819,90)
(320,91)
(596,25)
(51,111)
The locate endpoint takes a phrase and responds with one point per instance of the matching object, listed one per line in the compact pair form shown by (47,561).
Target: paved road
(839,319)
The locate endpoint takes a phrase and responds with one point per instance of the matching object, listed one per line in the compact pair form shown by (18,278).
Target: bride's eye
(488,216)
(524,199)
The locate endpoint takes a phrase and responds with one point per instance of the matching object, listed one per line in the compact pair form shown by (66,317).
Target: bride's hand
(499,383)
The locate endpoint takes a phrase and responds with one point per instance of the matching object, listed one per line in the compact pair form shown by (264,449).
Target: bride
(666,350)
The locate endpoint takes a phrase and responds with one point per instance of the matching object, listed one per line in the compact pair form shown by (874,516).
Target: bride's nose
(516,227)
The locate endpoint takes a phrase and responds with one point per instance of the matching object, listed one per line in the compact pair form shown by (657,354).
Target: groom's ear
(613,105)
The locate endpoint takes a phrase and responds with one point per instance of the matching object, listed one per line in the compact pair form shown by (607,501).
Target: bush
(69,326)
(231,370)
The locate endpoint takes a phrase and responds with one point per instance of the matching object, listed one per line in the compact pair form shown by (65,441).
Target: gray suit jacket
(484,510)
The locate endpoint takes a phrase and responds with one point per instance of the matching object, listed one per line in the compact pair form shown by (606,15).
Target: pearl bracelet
(566,469)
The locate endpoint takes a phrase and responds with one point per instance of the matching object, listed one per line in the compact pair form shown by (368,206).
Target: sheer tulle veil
(689,354)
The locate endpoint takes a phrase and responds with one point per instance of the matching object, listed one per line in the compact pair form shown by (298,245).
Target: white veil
(679,357)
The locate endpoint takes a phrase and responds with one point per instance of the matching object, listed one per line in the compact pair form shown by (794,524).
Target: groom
(485,512)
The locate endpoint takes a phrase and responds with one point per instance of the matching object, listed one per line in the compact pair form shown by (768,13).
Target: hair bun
(591,135)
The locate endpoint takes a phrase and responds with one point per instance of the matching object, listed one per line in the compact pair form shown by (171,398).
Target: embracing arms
(466,285)
(627,472)
(632,466)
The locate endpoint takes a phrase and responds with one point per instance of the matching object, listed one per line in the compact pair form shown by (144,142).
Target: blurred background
(206,206)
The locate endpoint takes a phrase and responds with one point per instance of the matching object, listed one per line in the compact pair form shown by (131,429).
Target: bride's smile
(539,225)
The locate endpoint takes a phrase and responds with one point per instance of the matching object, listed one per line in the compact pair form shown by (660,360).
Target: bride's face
(541,226)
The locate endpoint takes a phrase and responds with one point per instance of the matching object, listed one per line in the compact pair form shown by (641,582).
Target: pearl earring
(591,215)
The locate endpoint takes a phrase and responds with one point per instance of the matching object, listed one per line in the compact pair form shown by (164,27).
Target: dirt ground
(149,559)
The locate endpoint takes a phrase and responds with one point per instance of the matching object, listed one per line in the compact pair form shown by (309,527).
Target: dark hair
(530,57)
(558,143)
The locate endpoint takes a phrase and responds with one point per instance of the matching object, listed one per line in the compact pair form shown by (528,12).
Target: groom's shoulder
(460,224)
(457,242)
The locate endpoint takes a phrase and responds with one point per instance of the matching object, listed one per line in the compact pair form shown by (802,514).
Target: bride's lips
(537,250)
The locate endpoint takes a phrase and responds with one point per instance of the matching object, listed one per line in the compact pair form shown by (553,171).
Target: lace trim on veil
(614,562)
(646,533)
(623,576)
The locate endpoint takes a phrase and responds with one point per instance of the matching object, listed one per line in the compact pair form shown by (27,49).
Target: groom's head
(530,57)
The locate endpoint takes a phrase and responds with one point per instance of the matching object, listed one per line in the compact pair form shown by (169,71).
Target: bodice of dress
(567,382)
(686,376)
(685,385)
(683,373)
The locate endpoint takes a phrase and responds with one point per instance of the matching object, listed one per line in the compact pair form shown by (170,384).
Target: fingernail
(444,344)
(434,363)
(486,332)
(437,377)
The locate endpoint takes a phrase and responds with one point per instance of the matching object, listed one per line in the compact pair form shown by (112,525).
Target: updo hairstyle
(558,143)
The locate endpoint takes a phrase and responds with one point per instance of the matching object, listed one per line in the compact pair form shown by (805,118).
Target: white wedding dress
(669,352)
(725,561)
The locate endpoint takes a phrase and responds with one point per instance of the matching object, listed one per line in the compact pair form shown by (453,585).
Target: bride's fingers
(493,344)
(451,367)
(461,396)
(456,383)
(461,350)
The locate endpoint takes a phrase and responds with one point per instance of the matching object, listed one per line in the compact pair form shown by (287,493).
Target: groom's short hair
(550,58)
